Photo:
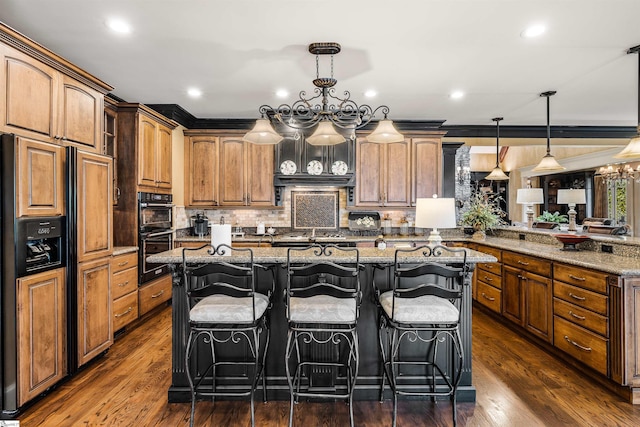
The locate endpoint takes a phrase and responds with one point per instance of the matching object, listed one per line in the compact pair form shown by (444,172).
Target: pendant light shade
(632,150)
(497,174)
(325,134)
(548,162)
(262,134)
(385,133)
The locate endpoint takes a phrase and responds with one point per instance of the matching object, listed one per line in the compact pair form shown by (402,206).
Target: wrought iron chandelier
(325,111)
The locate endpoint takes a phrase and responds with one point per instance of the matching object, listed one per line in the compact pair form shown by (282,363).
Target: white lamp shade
(385,133)
(497,174)
(548,163)
(325,134)
(572,196)
(263,134)
(436,213)
(530,196)
(632,149)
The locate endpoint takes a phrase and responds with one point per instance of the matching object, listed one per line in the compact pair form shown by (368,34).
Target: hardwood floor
(517,384)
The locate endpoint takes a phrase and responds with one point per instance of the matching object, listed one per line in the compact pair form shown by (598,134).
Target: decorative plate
(339,168)
(314,167)
(288,167)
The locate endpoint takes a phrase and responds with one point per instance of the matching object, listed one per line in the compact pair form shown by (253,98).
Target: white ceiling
(413,52)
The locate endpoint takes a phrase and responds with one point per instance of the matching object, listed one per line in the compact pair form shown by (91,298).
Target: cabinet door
(29,91)
(94,206)
(41,319)
(538,306)
(163,157)
(397,171)
(147,134)
(201,171)
(369,173)
(232,172)
(427,168)
(95,330)
(40,178)
(260,174)
(80,117)
(512,294)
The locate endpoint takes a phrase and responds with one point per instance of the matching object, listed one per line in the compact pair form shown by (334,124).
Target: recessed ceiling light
(118,26)
(533,31)
(194,92)
(282,93)
(370,93)
(456,94)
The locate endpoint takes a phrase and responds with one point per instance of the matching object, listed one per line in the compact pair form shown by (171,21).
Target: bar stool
(419,311)
(227,316)
(322,304)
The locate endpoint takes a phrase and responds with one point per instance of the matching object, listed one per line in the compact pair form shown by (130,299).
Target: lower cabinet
(42,322)
(124,289)
(154,293)
(488,280)
(95,329)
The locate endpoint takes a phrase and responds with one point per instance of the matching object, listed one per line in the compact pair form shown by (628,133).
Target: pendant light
(548,162)
(497,174)
(633,148)
(263,133)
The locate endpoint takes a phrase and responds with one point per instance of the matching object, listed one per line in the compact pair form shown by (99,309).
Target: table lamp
(435,213)
(572,197)
(530,197)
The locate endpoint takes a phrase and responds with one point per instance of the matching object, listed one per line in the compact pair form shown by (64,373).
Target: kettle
(200,224)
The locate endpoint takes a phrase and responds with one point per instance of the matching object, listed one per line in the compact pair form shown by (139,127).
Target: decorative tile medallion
(315,209)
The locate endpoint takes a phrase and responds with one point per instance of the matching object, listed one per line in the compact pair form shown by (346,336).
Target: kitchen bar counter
(369,377)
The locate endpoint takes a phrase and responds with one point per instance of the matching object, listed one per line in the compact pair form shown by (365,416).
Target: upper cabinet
(143,149)
(48,102)
(223,170)
(426,166)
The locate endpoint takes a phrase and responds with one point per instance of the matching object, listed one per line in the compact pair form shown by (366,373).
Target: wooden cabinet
(426,164)
(527,293)
(44,103)
(383,174)
(42,323)
(39,178)
(124,289)
(201,168)
(154,293)
(154,148)
(94,309)
(110,142)
(488,280)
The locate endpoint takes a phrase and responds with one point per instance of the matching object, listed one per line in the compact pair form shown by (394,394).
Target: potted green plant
(550,220)
(483,214)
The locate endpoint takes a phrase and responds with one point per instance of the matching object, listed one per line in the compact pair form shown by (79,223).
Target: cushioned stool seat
(322,309)
(228,309)
(422,309)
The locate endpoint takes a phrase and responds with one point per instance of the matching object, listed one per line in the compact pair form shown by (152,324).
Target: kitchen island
(369,377)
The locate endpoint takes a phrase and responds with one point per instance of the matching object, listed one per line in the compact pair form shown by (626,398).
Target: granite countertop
(120,250)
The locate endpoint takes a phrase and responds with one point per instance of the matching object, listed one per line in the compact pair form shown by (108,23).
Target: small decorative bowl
(571,240)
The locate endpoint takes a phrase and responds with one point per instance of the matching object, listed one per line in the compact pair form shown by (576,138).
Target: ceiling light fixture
(548,162)
(632,149)
(194,92)
(456,94)
(282,93)
(118,26)
(533,31)
(331,112)
(497,174)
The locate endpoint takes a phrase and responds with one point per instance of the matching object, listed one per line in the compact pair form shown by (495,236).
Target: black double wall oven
(155,233)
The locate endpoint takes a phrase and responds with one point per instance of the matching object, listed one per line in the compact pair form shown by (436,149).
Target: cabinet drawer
(125,310)
(489,278)
(489,296)
(123,282)
(492,267)
(581,297)
(580,316)
(491,251)
(585,346)
(124,261)
(581,277)
(154,294)
(533,265)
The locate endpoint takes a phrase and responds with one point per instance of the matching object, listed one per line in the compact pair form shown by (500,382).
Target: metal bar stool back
(228,323)
(420,313)
(322,298)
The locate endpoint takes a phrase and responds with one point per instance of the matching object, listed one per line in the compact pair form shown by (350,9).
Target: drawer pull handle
(486,297)
(488,266)
(125,313)
(574,296)
(123,284)
(582,279)
(488,279)
(522,262)
(158,294)
(576,316)
(122,264)
(577,345)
